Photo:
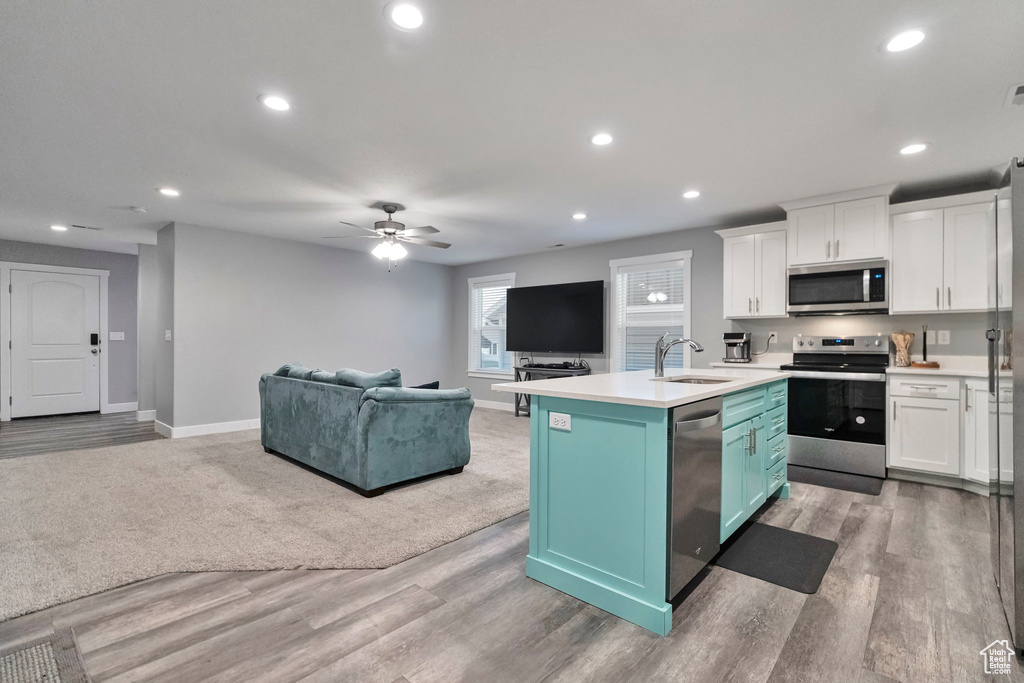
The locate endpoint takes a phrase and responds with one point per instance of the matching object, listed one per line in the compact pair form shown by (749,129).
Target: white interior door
(54,367)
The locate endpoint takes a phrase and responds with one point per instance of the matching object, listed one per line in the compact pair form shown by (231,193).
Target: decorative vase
(903,340)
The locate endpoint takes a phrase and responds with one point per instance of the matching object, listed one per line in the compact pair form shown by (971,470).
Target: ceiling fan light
(398,251)
(381,250)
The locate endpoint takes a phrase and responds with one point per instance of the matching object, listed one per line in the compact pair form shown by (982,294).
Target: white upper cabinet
(940,260)
(839,231)
(739,277)
(1004,291)
(770,281)
(810,234)
(754,271)
(861,230)
(916,268)
(965,258)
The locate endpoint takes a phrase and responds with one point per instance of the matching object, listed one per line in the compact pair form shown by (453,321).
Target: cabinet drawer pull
(778,449)
(924,387)
(778,421)
(777,477)
(779,394)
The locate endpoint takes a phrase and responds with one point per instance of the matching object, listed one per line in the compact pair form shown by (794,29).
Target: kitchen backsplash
(966,330)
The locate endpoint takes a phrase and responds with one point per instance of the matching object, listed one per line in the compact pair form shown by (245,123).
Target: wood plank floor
(35,435)
(908,597)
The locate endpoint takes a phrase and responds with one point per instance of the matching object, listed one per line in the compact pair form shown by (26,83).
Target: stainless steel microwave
(839,288)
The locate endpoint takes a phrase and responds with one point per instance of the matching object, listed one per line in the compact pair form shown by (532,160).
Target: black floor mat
(786,558)
(835,480)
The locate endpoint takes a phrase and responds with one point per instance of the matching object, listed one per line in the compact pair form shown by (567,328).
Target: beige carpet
(80,522)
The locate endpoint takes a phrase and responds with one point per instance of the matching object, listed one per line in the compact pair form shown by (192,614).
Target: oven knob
(810,343)
(878,342)
(800,343)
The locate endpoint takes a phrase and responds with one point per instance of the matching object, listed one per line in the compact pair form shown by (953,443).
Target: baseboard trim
(947,480)
(120,408)
(163,429)
(494,405)
(145,415)
(202,430)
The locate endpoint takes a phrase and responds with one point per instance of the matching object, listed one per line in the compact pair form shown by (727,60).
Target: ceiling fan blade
(85,227)
(422,230)
(346,237)
(358,226)
(426,243)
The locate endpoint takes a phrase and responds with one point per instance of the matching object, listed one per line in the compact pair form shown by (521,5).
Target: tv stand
(525,373)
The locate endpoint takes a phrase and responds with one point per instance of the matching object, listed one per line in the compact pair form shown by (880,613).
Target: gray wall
(122,303)
(591,263)
(163,301)
(245,305)
(149,323)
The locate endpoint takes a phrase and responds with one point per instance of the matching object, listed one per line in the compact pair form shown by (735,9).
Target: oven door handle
(852,376)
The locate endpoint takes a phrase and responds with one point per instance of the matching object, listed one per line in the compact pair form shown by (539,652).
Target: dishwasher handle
(699,422)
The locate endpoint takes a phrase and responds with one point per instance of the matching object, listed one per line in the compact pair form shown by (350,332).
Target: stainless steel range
(837,403)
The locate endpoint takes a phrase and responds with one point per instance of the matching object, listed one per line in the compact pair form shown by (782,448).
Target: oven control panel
(806,344)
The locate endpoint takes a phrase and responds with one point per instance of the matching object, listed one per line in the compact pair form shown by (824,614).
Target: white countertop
(640,388)
(767,361)
(950,366)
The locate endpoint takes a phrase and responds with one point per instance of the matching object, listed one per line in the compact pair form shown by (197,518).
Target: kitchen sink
(694,380)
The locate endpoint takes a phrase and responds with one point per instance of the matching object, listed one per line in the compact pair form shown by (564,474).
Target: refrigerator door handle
(992,335)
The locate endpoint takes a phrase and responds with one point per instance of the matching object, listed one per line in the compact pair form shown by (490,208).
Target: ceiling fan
(391,233)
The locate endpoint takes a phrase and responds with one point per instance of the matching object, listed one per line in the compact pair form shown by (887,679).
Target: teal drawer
(778,448)
(778,394)
(776,476)
(742,406)
(775,422)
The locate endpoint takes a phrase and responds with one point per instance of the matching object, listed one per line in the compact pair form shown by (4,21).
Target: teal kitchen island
(635,481)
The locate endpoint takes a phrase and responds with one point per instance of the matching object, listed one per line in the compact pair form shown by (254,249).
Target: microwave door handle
(867,283)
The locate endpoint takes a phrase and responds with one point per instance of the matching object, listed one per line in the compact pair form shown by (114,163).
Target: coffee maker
(737,347)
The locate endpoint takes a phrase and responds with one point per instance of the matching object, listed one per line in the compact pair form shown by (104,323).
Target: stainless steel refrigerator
(1006,380)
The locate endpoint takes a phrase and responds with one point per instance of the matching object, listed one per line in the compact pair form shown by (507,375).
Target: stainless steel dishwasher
(696,490)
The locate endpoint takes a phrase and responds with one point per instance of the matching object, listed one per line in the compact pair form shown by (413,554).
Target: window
(650,296)
(488,356)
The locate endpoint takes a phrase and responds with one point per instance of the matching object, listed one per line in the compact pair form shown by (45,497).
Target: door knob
(95,351)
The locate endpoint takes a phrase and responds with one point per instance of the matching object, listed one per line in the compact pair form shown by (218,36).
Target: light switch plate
(117,336)
(932,337)
(167,335)
(943,337)
(560,421)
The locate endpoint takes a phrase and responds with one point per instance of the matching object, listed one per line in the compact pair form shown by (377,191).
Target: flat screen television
(565,318)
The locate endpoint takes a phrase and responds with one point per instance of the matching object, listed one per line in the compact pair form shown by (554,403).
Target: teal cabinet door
(755,481)
(735,449)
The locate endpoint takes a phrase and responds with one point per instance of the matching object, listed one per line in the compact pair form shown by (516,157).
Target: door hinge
(10,289)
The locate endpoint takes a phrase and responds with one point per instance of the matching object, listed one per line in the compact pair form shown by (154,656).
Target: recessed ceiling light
(914,148)
(168,192)
(404,15)
(275,102)
(904,41)
(601,139)
(691,194)
(579,216)
(59,228)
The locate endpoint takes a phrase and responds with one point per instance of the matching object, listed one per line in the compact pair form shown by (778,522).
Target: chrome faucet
(661,350)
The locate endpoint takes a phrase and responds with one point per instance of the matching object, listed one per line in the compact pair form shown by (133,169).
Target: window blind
(488,317)
(651,299)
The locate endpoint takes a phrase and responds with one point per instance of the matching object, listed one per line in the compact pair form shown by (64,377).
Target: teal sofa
(365,429)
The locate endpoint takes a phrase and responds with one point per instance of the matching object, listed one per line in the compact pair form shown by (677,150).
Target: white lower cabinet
(925,435)
(978,465)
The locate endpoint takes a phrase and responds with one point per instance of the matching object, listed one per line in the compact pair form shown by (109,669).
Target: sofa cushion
(369,380)
(323,376)
(294,370)
(429,385)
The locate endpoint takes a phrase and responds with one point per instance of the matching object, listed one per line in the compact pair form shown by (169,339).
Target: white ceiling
(478,122)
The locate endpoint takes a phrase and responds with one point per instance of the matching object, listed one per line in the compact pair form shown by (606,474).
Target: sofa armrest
(410,433)
(404,395)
